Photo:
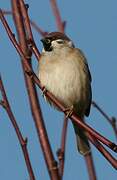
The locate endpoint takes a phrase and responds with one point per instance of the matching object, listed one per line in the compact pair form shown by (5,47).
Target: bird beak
(43,40)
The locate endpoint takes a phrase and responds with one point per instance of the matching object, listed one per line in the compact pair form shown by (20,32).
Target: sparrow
(63,70)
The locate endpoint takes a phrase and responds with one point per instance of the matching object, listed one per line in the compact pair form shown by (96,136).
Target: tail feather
(82,141)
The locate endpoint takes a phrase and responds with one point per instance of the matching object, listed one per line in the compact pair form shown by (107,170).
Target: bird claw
(68,111)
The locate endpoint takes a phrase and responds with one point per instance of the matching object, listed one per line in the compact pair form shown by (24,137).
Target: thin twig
(73,117)
(18,11)
(112,121)
(23,142)
(34,25)
(26,21)
(59,22)
(103,151)
(90,166)
(61,150)
(38,29)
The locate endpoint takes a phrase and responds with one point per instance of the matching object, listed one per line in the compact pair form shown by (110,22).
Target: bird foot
(68,111)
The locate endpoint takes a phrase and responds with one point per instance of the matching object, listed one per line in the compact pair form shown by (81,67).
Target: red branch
(61,150)
(38,29)
(19,12)
(34,25)
(73,117)
(103,151)
(23,142)
(90,166)
(60,24)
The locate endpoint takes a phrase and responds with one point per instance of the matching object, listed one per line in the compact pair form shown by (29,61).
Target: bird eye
(60,41)
(48,41)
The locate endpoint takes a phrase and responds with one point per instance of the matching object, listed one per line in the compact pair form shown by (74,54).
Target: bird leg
(68,111)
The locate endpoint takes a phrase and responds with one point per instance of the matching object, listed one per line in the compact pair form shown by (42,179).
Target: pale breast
(63,75)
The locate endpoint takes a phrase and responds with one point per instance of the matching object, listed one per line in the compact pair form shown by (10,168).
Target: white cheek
(55,44)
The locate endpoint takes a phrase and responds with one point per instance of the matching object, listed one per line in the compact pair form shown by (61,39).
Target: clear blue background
(93,27)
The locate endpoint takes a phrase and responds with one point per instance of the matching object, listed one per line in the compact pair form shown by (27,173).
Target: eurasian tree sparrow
(63,70)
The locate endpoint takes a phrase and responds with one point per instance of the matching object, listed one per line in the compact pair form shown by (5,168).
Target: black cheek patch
(48,47)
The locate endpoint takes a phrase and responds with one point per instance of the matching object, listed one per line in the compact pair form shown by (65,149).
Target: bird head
(56,40)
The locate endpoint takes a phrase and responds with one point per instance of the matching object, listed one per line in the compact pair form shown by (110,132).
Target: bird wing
(87,71)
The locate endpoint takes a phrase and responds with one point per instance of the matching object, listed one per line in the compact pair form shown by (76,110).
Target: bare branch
(38,29)
(33,98)
(22,141)
(60,24)
(61,150)
(34,25)
(103,151)
(90,166)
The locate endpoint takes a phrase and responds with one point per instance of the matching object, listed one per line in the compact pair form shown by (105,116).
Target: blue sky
(92,25)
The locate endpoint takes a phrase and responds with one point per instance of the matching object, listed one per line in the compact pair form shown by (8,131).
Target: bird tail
(83,145)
